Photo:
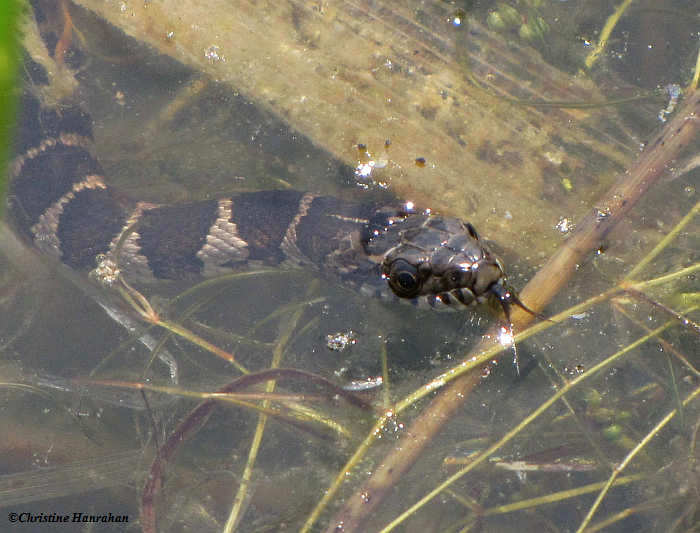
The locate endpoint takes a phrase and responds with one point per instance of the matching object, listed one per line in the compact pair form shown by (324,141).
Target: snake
(60,200)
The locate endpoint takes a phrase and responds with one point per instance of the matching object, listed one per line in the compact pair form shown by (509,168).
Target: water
(221,143)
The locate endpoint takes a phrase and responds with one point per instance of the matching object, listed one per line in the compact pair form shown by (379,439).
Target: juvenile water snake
(60,200)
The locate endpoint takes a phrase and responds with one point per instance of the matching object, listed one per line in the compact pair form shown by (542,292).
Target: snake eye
(403,279)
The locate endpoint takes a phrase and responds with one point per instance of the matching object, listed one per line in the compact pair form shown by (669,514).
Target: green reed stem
(558,496)
(283,310)
(202,343)
(639,285)
(696,74)
(10,56)
(605,33)
(524,423)
(666,345)
(247,474)
(234,276)
(467,365)
(626,513)
(664,242)
(630,456)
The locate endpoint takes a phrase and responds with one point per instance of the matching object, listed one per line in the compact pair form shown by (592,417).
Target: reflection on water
(70,440)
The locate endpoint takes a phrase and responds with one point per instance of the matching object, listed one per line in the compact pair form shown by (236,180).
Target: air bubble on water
(565,225)
(213,54)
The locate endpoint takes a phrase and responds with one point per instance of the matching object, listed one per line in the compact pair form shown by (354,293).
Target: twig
(561,392)
(551,278)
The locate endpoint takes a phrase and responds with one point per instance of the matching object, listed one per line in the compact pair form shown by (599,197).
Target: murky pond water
(87,405)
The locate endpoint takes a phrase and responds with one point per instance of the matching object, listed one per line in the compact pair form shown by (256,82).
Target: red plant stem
(199,416)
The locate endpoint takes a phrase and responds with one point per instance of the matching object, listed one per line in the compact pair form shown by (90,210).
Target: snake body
(61,201)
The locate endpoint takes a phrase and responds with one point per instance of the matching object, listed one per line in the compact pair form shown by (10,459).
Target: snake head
(439,258)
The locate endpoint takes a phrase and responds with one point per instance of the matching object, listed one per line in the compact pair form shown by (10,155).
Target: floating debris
(213,55)
(565,225)
(341,340)
(369,383)
(674,91)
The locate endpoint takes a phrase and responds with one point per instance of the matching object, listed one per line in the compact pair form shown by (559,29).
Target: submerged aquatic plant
(592,440)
